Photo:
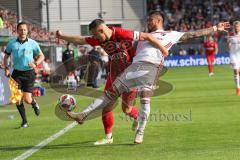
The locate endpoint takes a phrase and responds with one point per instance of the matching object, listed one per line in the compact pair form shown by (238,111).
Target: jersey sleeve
(172,38)
(8,49)
(124,34)
(92,41)
(177,36)
(36,49)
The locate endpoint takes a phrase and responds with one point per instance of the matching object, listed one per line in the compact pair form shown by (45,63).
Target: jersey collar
(20,41)
(157,31)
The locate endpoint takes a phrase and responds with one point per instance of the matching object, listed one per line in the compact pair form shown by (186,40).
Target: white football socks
(109,135)
(237,80)
(143,114)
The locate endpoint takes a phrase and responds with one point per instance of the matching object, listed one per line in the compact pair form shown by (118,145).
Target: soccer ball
(67,102)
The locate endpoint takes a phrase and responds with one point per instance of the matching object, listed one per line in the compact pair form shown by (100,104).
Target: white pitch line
(7,111)
(34,149)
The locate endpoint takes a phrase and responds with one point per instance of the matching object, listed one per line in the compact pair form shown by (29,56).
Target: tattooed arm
(195,34)
(204,32)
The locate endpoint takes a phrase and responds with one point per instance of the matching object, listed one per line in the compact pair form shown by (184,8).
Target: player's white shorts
(139,75)
(235,61)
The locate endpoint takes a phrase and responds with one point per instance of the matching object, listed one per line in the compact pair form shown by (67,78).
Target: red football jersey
(119,48)
(210,47)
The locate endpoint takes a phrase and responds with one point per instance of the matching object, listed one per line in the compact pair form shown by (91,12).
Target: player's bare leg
(210,68)
(27,96)
(237,81)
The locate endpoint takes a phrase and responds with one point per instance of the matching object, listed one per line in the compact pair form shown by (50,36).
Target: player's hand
(32,65)
(165,55)
(58,34)
(7,72)
(222,26)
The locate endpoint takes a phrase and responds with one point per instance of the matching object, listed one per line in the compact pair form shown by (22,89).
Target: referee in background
(26,55)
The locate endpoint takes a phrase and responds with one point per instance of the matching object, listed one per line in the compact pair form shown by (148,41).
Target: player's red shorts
(127,97)
(210,58)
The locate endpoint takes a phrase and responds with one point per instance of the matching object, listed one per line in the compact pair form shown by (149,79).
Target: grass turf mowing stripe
(34,149)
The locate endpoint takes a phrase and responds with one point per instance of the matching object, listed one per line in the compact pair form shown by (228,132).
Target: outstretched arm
(73,39)
(204,32)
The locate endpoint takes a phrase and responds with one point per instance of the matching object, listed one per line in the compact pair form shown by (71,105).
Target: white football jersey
(147,53)
(234,45)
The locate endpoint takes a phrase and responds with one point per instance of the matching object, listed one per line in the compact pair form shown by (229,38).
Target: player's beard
(151,29)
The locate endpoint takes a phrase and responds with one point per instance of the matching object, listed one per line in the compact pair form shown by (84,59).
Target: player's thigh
(108,83)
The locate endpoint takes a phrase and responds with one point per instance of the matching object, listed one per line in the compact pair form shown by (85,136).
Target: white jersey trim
(136,36)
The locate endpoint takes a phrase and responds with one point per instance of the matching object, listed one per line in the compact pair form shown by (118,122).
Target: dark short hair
(157,13)
(22,23)
(95,23)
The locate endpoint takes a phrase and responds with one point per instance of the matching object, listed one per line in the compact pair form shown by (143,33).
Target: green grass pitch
(198,120)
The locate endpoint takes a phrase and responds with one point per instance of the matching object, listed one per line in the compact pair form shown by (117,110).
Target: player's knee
(126,108)
(28,100)
(19,103)
(145,95)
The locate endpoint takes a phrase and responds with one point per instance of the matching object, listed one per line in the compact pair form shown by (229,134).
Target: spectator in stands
(182,52)
(68,58)
(1,21)
(198,15)
(46,70)
(72,81)
(104,62)
(191,51)
(35,31)
(82,69)
(93,69)
(1,56)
